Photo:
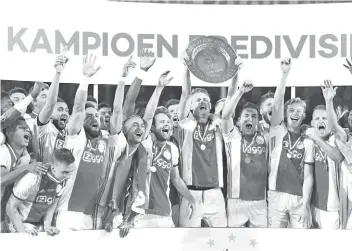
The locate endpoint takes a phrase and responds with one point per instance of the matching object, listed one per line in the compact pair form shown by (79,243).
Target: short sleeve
(72,141)
(235,133)
(309,152)
(175,154)
(26,186)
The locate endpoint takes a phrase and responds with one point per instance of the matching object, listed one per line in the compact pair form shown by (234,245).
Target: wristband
(141,74)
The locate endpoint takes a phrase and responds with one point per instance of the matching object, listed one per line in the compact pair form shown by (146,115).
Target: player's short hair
(60,100)
(296,101)
(319,107)
(88,105)
(45,86)
(91,99)
(172,102)
(159,110)
(103,105)
(249,105)
(133,116)
(200,90)
(17,90)
(12,128)
(266,96)
(63,155)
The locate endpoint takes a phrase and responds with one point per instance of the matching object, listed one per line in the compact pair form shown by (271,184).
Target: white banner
(318,38)
(181,239)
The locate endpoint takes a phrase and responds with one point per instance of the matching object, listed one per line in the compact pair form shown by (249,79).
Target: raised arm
(279,97)
(45,114)
(76,120)
(332,152)
(116,119)
(231,104)
(234,83)
(329,92)
(184,107)
(19,108)
(164,80)
(146,62)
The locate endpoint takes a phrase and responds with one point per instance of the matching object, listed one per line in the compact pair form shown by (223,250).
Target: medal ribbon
(205,132)
(157,154)
(245,148)
(324,156)
(289,139)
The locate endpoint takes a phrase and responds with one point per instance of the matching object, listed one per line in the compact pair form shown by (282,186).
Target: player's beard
(59,125)
(91,132)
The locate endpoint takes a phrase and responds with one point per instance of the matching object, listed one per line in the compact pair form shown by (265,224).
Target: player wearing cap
(202,165)
(291,163)
(34,197)
(52,119)
(246,151)
(325,197)
(14,161)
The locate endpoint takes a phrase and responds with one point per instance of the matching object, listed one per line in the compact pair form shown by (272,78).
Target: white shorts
(210,205)
(153,221)
(241,212)
(283,210)
(325,219)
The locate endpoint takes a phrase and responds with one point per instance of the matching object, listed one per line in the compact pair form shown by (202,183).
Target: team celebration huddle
(119,167)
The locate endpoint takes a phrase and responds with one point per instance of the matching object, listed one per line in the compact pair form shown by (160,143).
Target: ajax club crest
(101,146)
(167,154)
(260,140)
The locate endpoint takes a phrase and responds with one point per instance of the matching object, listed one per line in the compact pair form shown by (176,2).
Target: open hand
(329,92)
(147,59)
(38,87)
(349,65)
(89,67)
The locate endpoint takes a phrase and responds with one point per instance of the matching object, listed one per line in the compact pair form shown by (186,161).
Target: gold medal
(247,160)
(202,146)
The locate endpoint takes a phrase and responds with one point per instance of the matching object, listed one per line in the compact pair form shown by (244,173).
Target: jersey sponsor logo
(163,164)
(59,144)
(207,138)
(92,158)
(285,143)
(296,155)
(256,150)
(167,154)
(43,199)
